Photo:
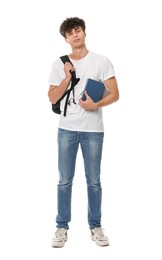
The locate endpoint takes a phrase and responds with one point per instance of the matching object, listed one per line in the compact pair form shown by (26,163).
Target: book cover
(95,89)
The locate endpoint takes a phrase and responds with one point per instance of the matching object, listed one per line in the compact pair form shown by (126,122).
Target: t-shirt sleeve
(54,77)
(107,70)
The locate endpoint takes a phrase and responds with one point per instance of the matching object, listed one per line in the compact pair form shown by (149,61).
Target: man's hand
(88,104)
(68,68)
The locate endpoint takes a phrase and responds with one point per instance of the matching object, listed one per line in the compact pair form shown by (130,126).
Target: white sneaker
(98,236)
(60,237)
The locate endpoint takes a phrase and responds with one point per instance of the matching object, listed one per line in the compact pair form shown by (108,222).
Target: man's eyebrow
(75,28)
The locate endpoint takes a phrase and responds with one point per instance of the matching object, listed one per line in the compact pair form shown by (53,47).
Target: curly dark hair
(71,23)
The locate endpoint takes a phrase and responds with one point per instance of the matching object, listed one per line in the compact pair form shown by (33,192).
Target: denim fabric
(91,144)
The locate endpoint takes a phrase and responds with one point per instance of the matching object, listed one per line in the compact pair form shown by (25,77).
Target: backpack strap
(65,59)
(74,81)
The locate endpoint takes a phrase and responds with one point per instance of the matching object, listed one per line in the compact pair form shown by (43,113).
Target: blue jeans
(91,145)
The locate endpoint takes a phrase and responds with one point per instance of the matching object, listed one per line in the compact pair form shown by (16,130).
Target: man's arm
(56,92)
(112,97)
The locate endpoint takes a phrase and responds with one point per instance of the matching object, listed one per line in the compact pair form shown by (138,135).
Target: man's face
(76,37)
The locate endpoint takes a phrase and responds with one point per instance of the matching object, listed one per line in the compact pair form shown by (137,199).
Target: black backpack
(74,81)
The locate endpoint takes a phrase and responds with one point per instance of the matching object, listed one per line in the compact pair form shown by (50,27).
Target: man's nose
(74,33)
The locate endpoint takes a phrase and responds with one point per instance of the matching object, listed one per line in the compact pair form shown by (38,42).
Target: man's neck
(79,53)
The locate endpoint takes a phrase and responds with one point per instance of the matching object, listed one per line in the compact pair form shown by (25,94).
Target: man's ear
(66,40)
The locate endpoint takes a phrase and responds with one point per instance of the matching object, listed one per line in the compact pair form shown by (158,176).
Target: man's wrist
(67,79)
(96,105)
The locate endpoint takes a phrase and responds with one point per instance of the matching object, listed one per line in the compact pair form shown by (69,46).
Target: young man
(83,124)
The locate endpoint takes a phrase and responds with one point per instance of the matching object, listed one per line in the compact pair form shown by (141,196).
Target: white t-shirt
(94,66)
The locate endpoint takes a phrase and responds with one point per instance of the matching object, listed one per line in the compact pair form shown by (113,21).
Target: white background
(128,33)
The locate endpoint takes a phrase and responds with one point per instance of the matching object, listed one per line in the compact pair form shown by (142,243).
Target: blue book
(95,89)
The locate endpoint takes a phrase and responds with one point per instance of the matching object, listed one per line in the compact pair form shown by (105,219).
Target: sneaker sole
(58,244)
(100,243)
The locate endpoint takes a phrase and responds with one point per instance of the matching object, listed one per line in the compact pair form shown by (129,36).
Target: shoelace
(60,232)
(99,232)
